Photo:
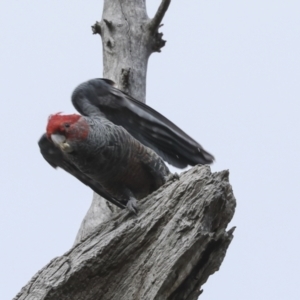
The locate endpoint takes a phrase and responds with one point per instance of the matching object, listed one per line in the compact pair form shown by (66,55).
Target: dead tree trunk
(179,237)
(129,37)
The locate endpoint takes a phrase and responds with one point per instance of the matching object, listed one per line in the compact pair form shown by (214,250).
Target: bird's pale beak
(60,141)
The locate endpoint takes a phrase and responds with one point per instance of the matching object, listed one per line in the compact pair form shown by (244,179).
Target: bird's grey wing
(100,97)
(55,158)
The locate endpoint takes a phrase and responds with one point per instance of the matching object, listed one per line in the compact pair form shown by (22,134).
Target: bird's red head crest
(59,123)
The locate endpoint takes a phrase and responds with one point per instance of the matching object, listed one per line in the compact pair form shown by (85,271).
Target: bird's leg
(131,203)
(160,172)
(172,176)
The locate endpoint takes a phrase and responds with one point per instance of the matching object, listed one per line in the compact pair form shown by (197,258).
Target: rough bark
(168,251)
(129,37)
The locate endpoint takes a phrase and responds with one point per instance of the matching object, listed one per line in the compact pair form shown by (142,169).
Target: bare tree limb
(168,251)
(155,22)
(100,211)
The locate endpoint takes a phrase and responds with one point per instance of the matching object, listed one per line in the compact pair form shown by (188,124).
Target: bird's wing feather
(100,97)
(55,158)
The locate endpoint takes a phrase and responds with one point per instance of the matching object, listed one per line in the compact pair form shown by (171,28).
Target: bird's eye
(67,125)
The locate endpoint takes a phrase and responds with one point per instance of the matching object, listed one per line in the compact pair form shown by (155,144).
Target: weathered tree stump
(168,251)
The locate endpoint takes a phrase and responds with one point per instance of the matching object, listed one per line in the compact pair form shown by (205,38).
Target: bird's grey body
(121,164)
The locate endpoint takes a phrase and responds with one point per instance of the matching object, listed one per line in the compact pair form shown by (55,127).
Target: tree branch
(168,251)
(155,22)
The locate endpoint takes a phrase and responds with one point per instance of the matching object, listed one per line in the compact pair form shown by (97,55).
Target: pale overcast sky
(229,76)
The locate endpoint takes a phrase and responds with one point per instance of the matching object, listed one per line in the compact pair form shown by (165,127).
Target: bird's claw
(172,176)
(132,205)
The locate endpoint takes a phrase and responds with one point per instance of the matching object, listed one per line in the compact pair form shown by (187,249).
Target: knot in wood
(96,28)
(158,42)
